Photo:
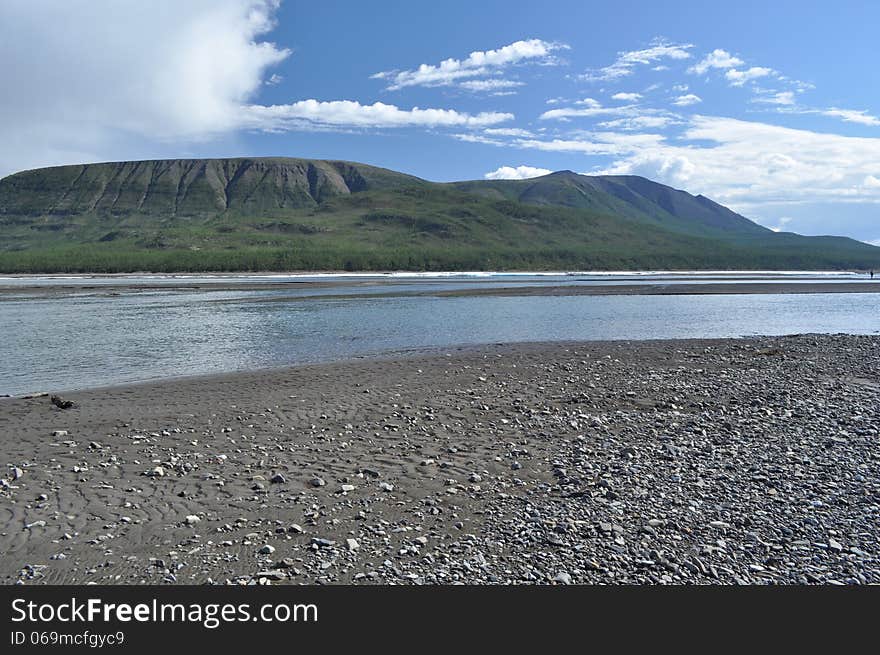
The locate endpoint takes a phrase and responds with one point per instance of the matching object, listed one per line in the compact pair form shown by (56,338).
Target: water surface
(84,339)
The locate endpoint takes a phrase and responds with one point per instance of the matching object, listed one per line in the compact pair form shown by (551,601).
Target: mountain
(300,214)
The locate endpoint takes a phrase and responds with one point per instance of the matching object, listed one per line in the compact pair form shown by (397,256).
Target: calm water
(87,338)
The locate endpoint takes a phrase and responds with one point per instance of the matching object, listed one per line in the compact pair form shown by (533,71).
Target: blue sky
(772,110)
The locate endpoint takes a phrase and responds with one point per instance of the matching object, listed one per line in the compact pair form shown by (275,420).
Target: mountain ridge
(247,213)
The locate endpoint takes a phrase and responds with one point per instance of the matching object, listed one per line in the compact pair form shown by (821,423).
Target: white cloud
(490,85)
(740,77)
(470,137)
(626,62)
(589,108)
(508,131)
(860,116)
(477,64)
(639,123)
(516,173)
(349,113)
(687,100)
(596,143)
(109,80)
(718,58)
(781,223)
(627,97)
(783,98)
(872,182)
(747,164)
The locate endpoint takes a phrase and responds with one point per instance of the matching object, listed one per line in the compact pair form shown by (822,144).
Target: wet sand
(498,288)
(701,461)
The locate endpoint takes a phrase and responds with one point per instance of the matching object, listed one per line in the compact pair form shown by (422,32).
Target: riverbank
(373,288)
(695,461)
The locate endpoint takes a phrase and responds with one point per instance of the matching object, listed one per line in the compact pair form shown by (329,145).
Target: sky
(772,109)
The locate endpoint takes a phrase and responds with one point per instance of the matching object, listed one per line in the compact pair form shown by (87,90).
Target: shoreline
(589,462)
(577,288)
(435,353)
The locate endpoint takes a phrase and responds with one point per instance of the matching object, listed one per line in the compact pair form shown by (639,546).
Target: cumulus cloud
(687,100)
(477,64)
(350,113)
(627,61)
(627,97)
(740,77)
(745,164)
(718,58)
(722,60)
(134,80)
(516,173)
(101,79)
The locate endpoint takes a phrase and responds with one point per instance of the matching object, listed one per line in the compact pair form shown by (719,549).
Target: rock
(278,479)
(475,477)
(60,403)
(385,486)
(157,472)
(35,524)
(516,466)
(835,546)
(562,578)
(346,488)
(271,575)
(60,433)
(323,543)
(295,528)
(192,519)
(352,544)
(266,550)
(317,482)
(16,473)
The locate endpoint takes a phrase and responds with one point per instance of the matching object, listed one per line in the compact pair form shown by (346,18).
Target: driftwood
(60,403)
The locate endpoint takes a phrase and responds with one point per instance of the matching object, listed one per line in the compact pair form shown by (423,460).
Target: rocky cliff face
(179,187)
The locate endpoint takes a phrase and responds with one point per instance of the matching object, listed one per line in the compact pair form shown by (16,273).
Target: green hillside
(297,214)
